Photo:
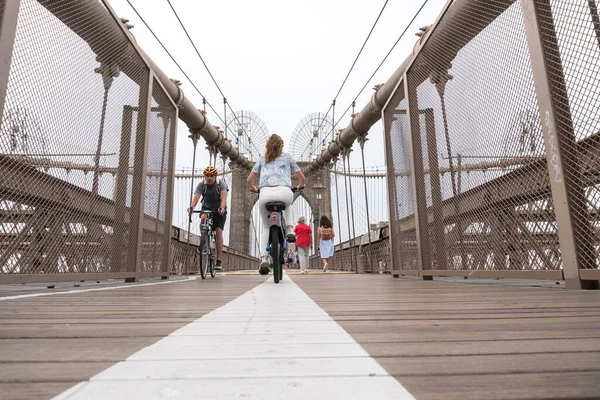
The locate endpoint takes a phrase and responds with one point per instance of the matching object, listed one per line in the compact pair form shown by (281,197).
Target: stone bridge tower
(317,194)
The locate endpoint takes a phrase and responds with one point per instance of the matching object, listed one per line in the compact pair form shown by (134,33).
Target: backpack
(326,233)
(205,187)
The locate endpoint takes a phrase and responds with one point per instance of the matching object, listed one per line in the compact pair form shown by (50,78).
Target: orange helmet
(210,171)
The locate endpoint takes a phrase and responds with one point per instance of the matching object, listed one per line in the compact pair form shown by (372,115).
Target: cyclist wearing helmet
(214,198)
(275,183)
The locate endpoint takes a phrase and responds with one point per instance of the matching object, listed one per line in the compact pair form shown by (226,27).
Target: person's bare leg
(219,243)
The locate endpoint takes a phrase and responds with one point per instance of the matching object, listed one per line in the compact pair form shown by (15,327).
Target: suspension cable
(362,152)
(195,141)
(333,121)
(354,254)
(353,64)
(344,156)
(211,76)
(337,198)
(384,58)
(204,101)
(225,115)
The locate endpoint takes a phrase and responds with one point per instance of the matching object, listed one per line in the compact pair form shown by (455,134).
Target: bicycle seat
(275,206)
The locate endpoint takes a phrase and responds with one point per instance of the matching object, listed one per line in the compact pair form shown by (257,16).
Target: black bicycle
(277,243)
(206,252)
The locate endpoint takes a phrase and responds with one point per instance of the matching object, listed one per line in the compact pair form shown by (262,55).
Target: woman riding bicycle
(275,184)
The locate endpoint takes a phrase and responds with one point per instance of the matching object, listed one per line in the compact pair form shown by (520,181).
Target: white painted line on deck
(272,342)
(24,296)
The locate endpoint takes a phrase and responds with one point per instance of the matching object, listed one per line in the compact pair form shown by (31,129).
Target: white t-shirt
(276,173)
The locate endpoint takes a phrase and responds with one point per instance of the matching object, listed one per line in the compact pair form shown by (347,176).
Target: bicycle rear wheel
(274,235)
(205,256)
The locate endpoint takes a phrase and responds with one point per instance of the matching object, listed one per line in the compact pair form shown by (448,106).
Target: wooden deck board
(496,347)
(50,343)
(52,371)
(72,349)
(447,340)
(440,340)
(32,390)
(563,385)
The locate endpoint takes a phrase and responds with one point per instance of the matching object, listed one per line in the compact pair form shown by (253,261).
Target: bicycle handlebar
(199,212)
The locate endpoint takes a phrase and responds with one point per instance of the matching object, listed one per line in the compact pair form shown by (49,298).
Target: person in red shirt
(303,243)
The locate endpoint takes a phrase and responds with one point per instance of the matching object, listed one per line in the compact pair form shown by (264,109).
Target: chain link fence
(570,34)
(400,189)
(465,125)
(86,150)
(184,259)
(353,255)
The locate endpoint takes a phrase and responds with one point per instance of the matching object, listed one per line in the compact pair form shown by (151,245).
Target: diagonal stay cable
(175,61)
(208,70)
(361,49)
(382,61)
(352,66)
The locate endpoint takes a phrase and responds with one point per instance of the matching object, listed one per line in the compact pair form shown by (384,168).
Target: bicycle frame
(275,210)
(275,219)
(207,250)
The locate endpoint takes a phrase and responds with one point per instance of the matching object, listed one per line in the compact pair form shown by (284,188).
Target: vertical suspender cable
(331,216)
(337,198)
(354,252)
(362,152)
(346,154)
(225,116)
(194,136)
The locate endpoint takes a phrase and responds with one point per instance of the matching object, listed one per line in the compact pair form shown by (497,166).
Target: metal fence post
(391,189)
(118,262)
(167,248)
(136,221)
(418,179)
(561,146)
(9,13)
(436,191)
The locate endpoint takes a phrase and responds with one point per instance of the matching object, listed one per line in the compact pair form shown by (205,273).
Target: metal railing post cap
(376,106)
(180,95)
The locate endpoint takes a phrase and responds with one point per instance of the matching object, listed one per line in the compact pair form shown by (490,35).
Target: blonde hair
(273,148)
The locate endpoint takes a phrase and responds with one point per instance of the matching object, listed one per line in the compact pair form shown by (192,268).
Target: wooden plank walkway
(438,339)
(446,340)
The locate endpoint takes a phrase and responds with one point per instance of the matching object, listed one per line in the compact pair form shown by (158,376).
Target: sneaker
(325,267)
(218,266)
(263,268)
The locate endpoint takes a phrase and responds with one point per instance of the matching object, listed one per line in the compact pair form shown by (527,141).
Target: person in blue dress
(325,237)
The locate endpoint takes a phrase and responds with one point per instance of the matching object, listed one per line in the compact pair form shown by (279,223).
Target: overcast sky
(279,59)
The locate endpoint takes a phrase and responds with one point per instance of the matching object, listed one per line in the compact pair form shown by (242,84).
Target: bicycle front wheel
(204,256)
(274,234)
